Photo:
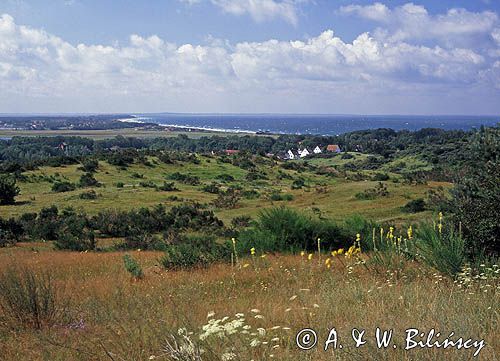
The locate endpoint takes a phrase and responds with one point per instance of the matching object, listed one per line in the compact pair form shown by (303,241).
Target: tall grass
(29,299)
(445,251)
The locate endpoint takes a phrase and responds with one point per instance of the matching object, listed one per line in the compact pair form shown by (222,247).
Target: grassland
(113,317)
(335,199)
(109,315)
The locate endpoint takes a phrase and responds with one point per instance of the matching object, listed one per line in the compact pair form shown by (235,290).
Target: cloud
(259,10)
(319,73)
(413,22)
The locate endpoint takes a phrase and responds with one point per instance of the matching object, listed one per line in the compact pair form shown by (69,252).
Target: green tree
(8,189)
(476,195)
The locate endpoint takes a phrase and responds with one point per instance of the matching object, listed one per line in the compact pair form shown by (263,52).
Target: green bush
(213,188)
(120,184)
(88,195)
(443,251)
(195,251)
(75,233)
(358,224)
(8,189)
(88,180)
(63,186)
(30,300)
(133,267)
(288,229)
(168,187)
(414,206)
(185,178)
(225,178)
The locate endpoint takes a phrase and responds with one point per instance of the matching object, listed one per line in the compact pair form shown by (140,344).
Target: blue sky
(288,56)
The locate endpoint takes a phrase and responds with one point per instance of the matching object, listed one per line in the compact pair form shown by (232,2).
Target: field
(335,199)
(253,307)
(114,317)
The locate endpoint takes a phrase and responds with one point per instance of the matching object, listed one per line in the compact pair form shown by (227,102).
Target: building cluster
(304,152)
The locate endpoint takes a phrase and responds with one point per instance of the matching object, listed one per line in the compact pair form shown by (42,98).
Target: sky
(250,56)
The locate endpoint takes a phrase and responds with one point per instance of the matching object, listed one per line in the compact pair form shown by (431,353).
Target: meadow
(213,257)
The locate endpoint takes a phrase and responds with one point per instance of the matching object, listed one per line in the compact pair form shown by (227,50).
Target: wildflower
(246,265)
(410,232)
(254,310)
(260,317)
(340,251)
(211,314)
(293,297)
(252,251)
(334,253)
(310,256)
(263,256)
(316,305)
(239,315)
(254,343)
(261,331)
(276,339)
(302,254)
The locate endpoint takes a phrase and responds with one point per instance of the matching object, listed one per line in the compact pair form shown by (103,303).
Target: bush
(144,241)
(120,184)
(185,178)
(228,199)
(168,187)
(414,206)
(8,189)
(277,196)
(444,252)
(381,177)
(64,186)
(241,221)
(75,233)
(133,267)
(88,195)
(88,180)
(250,194)
(298,183)
(225,178)
(211,188)
(380,190)
(358,224)
(195,251)
(147,184)
(30,299)
(89,165)
(284,229)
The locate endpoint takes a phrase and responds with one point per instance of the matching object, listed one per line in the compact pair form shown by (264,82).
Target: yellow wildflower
(310,256)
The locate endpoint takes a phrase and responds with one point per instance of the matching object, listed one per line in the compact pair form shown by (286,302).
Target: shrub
(380,190)
(143,240)
(147,184)
(414,206)
(120,184)
(8,189)
(89,165)
(358,224)
(298,183)
(88,180)
(195,251)
(64,186)
(88,195)
(443,251)
(75,233)
(168,187)
(228,199)
(250,194)
(381,177)
(253,175)
(185,178)
(277,196)
(211,188)
(291,230)
(30,299)
(225,178)
(241,221)
(133,267)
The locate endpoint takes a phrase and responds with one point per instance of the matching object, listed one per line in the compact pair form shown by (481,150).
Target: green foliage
(241,221)
(168,187)
(443,251)
(298,183)
(148,184)
(90,165)
(476,195)
(213,188)
(228,199)
(120,185)
(133,267)
(91,194)
(63,186)
(142,240)
(88,180)
(225,178)
(415,206)
(75,233)
(284,229)
(358,224)
(8,189)
(277,196)
(30,300)
(185,178)
(195,251)
(380,190)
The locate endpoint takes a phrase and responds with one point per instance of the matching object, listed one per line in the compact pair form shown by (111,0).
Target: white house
(317,150)
(290,154)
(304,153)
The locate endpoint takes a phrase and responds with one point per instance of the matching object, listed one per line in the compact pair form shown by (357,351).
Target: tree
(8,189)
(476,195)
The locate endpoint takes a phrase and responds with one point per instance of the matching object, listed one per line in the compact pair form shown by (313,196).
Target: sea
(313,124)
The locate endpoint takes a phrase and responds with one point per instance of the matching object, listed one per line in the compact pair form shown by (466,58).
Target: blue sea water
(316,124)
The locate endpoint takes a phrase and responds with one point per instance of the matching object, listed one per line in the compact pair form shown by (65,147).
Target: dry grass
(128,320)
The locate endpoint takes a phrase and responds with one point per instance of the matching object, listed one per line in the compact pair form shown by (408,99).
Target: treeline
(437,146)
